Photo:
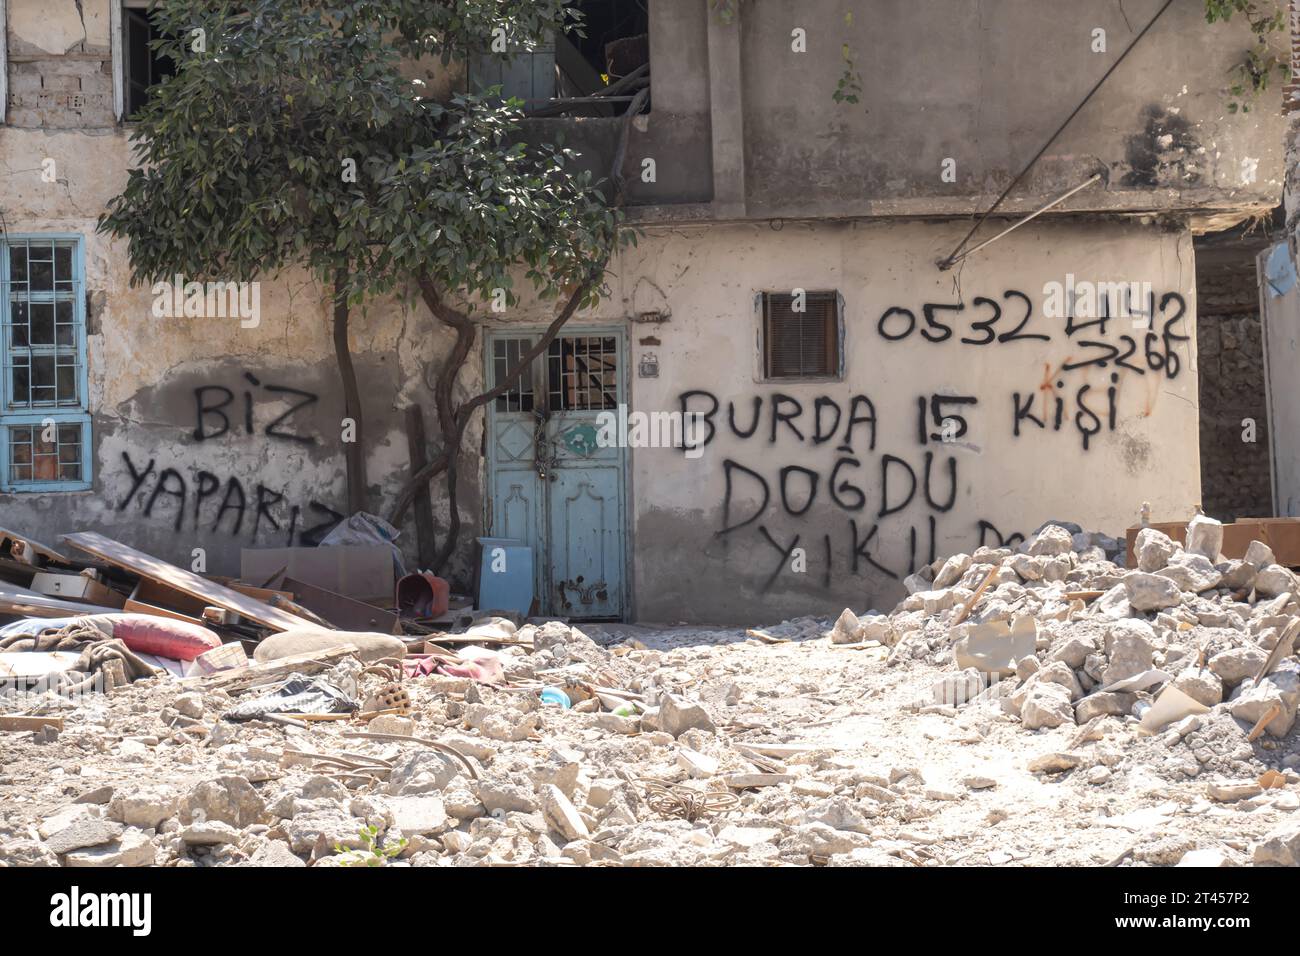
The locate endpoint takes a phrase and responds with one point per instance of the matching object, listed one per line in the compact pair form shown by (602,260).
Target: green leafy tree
(291,136)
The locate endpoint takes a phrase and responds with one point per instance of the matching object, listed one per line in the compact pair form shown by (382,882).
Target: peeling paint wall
(191,418)
(869,507)
(986,84)
(60,63)
(207,434)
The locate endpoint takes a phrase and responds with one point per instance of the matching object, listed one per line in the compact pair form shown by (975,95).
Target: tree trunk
(453,420)
(354,458)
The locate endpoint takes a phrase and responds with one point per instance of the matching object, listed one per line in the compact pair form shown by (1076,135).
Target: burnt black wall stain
(1165,153)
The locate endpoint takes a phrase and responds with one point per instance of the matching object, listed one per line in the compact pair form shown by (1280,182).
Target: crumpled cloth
(367,529)
(486,670)
(97,647)
(296,695)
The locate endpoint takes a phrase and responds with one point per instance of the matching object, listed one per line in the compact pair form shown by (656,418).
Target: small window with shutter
(801,335)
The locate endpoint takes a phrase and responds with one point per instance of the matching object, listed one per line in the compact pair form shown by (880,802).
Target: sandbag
(163,636)
(371,645)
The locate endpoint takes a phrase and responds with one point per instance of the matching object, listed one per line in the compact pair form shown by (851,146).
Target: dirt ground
(855,763)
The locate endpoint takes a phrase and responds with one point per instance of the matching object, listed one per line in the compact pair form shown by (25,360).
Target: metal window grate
(44,424)
(801,344)
(506,354)
(582,373)
(41,326)
(46,451)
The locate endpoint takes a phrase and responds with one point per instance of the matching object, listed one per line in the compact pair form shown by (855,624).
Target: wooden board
(343,612)
(201,589)
(360,572)
(133,606)
(256,672)
(161,596)
(35,547)
(1282,535)
(259,594)
(38,605)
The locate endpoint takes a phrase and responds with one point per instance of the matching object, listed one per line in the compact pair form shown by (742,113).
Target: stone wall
(60,66)
(1235,479)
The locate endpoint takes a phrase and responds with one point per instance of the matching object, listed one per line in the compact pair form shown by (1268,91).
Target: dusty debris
(690,746)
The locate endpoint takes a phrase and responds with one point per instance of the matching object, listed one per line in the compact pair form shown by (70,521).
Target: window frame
(4,62)
(78,414)
(836,374)
(118,52)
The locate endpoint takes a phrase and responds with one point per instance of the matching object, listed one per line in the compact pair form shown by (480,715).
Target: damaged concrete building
(798,180)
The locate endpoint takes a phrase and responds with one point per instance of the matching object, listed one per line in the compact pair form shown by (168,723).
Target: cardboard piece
(997,646)
(1280,534)
(225,657)
(361,572)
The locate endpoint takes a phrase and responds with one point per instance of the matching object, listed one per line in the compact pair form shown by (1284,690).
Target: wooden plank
(1282,535)
(24,548)
(159,595)
(361,572)
(259,673)
(41,606)
(1283,648)
(974,598)
(259,592)
(133,606)
(293,607)
(265,595)
(208,592)
(440,638)
(780,750)
(344,612)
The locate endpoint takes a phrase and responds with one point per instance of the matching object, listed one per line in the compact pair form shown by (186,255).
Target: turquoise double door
(551,484)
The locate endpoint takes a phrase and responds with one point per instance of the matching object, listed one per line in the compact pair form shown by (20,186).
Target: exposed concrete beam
(727,114)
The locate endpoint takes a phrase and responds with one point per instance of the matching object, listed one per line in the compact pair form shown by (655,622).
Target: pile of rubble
(1217,635)
(1061,710)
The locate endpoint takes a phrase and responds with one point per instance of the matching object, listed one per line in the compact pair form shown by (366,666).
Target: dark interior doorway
(1236,480)
(618,35)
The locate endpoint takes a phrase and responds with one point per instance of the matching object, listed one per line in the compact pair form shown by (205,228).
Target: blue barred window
(44,413)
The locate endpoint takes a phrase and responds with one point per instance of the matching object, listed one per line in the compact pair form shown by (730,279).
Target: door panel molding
(571,506)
